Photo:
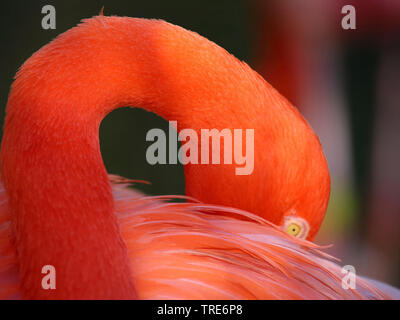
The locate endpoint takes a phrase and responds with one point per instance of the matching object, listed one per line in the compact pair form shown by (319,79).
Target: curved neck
(60,197)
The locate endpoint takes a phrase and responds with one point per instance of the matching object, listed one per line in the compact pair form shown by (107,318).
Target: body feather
(196,251)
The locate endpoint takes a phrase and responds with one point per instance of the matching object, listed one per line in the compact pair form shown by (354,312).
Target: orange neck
(59,194)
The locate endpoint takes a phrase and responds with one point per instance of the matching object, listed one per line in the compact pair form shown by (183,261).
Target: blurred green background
(345,82)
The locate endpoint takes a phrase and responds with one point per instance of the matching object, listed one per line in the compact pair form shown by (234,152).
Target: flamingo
(246,237)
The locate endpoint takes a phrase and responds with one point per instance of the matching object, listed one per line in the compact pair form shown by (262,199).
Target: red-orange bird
(59,207)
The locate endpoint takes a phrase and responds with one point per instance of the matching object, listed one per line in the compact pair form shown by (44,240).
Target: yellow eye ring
(296,227)
(293,229)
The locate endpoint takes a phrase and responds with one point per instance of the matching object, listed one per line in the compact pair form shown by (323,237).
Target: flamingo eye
(296,226)
(293,229)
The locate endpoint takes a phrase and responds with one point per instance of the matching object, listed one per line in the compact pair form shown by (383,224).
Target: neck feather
(59,193)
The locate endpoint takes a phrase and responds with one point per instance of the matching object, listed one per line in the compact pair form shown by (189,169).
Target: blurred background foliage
(345,82)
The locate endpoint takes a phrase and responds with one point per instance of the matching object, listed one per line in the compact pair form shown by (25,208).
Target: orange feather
(58,206)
